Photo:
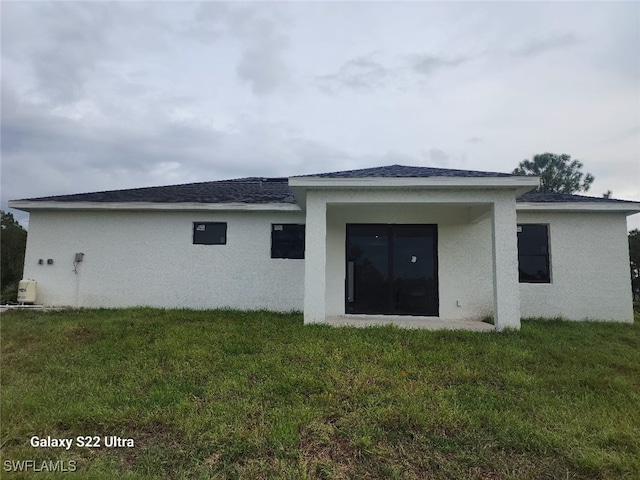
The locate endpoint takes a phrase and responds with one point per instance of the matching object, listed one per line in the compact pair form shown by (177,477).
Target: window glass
(209,233)
(287,240)
(533,254)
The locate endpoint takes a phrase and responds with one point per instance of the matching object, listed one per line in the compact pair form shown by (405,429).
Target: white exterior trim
(28,205)
(444,182)
(628,208)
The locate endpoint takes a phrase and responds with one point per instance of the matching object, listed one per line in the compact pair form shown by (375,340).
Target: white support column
(315,262)
(506,289)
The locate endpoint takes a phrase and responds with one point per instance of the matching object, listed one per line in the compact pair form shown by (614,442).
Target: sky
(110,95)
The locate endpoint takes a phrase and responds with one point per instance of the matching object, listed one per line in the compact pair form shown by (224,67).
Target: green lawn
(225,394)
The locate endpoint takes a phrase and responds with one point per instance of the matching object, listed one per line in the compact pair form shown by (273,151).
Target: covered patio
(474,271)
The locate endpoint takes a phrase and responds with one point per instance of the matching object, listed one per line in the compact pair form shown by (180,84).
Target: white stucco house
(395,240)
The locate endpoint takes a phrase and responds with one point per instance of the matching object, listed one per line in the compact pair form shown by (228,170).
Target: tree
(13,240)
(558,173)
(634,259)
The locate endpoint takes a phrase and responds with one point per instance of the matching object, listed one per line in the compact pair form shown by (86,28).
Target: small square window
(287,241)
(209,233)
(534,264)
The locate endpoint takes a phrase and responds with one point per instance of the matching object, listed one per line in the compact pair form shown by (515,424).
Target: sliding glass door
(392,269)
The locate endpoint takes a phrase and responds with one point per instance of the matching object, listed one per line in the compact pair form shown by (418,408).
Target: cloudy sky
(99,96)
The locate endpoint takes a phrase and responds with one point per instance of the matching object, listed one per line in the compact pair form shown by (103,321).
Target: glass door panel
(368,265)
(414,286)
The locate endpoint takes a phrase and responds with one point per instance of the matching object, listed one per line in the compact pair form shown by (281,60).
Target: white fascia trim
(27,205)
(521,185)
(443,182)
(627,208)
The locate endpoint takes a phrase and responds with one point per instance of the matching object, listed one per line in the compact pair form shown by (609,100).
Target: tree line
(13,240)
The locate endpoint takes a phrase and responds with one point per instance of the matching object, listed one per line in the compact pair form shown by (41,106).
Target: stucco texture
(589,258)
(147,258)
(135,258)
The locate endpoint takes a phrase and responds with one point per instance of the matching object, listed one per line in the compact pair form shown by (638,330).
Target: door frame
(390,226)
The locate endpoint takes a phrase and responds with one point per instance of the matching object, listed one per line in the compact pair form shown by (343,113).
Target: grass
(227,394)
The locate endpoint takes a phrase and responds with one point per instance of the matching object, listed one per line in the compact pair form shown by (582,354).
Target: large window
(533,253)
(287,240)
(209,233)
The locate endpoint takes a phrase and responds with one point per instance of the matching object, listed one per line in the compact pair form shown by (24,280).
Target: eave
(29,205)
(519,182)
(628,208)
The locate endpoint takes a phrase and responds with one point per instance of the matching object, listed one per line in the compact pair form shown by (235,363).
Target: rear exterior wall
(589,256)
(148,259)
(135,258)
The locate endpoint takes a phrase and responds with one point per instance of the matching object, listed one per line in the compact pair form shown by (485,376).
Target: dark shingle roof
(550,197)
(257,190)
(242,190)
(403,171)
